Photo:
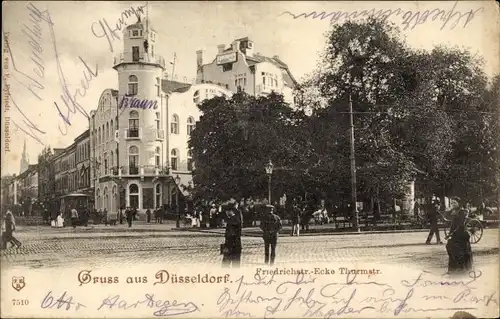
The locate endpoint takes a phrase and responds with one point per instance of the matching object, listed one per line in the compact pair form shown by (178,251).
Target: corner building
(139,133)
(240,67)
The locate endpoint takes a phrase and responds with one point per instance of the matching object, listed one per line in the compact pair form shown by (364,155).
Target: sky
(56,49)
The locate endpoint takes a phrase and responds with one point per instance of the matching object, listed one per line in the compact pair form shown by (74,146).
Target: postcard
(279,159)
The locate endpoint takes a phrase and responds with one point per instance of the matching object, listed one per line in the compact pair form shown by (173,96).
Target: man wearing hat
(433,219)
(270,225)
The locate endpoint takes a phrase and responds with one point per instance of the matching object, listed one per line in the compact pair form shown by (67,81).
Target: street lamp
(269,172)
(177,182)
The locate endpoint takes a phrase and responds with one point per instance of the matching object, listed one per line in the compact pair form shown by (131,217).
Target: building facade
(135,152)
(239,67)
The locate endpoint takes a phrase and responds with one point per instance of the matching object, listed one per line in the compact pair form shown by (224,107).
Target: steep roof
(169,86)
(287,75)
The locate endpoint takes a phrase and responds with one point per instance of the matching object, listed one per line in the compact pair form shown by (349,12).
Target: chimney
(220,48)
(276,57)
(199,58)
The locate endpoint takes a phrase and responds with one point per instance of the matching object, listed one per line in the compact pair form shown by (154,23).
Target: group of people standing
(270,224)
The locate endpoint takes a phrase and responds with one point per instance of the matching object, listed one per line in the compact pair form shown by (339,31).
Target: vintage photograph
(265,159)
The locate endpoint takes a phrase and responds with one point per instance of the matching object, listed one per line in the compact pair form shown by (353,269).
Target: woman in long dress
(458,245)
(8,235)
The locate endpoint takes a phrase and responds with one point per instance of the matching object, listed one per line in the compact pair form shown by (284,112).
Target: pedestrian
(213,216)
(433,220)
(130,216)
(148,216)
(120,215)
(458,246)
(8,234)
(307,212)
(231,249)
(296,219)
(74,217)
(134,213)
(270,225)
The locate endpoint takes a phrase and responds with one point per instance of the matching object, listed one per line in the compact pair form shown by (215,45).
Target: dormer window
(135,33)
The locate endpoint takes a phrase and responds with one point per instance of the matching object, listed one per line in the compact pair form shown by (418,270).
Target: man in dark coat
(433,220)
(232,245)
(130,216)
(270,225)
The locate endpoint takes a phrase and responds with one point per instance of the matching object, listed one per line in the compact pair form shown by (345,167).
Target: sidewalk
(328,229)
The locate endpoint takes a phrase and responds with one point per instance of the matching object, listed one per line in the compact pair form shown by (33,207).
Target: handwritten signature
(411,19)
(64,302)
(102,29)
(33,85)
(162,308)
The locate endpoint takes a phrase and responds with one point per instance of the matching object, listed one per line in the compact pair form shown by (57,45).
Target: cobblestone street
(158,244)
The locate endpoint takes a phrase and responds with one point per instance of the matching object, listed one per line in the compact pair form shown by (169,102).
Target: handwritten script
(307,296)
(409,19)
(31,83)
(103,30)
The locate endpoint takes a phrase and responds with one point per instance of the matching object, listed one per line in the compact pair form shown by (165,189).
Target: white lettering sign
(227,58)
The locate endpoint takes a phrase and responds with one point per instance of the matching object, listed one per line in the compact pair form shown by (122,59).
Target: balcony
(133,133)
(129,57)
(133,170)
(266,89)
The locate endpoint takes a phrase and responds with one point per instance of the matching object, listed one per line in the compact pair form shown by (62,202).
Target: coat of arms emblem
(18,283)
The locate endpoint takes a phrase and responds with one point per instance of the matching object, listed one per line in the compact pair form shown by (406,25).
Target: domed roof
(140,24)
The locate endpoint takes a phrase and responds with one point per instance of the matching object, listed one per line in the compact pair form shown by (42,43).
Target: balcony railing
(129,57)
(266,89)
(133,170)
(144,170)
(132,133)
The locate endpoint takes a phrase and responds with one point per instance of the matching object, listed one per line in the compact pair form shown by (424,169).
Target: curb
(316,233)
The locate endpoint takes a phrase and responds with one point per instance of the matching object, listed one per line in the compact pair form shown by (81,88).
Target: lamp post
(269,172)
(177,182)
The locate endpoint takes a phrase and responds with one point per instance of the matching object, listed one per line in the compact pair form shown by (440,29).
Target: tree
(236,137)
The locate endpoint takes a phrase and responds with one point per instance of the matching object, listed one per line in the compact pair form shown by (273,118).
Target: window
(153,52)
(106,198)
(264,80)
(133,124)
(158,195)
(157,86)
(190,125)
(190,161)
(135,33)
(158,127)
(106,164)
(114,202)
(99,135)
(196,97)
(174,126)
(135,54)
(111,128)
(157,156)
(98,199)
(227,67)
(107,131)
(133,160)
(133,196)
(111,159)
(133,85)
(116,122)
(174,159)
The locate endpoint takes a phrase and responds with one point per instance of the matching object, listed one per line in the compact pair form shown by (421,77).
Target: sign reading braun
(135,103)
(227,58)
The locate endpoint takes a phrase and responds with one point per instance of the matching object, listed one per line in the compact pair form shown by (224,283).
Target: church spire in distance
(24,159)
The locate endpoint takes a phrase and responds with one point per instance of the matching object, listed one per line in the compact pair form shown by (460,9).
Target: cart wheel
(475,230)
